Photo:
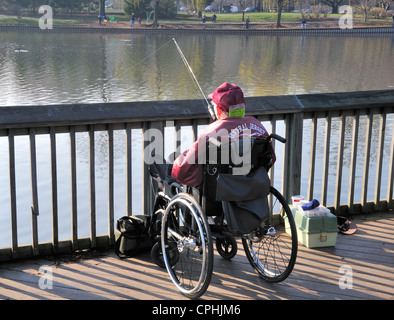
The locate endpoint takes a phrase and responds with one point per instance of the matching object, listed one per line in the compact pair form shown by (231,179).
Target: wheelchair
(188,221)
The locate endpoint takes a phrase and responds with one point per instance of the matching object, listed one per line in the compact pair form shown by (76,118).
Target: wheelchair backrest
(238,159)
(238,156)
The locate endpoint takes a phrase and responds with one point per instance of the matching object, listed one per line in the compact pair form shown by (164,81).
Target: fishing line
(191,73)
(196,83)
(152,53)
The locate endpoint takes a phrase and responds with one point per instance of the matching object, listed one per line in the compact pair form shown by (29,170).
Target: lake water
(75,68)
(89,68)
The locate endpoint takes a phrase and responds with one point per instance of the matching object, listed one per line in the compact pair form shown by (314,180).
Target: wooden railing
(311,124)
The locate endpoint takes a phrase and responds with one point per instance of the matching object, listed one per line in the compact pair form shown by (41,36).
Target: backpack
(131,235)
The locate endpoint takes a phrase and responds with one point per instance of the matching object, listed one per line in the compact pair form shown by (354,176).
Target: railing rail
(344,116)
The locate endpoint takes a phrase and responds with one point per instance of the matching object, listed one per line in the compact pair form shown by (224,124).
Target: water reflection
(83,68)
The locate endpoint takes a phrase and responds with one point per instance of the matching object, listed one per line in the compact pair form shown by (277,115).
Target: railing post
(55,228)
(128,170)
(34,192)
(379,160)
(312,159)
(11,160)
(353,159)
(146,192)
(391,172)
(338,184)
(111,163)
(326,164)
(293,155)
(367,152)
(92,187)
(153,147)
(74,210)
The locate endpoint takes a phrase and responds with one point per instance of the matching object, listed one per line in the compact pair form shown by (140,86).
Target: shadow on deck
(318,273)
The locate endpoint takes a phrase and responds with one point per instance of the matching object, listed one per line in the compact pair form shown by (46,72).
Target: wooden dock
(318,274)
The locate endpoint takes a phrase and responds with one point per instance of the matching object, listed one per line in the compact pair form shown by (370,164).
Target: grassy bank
(27,21)
(286,17)
(254,16)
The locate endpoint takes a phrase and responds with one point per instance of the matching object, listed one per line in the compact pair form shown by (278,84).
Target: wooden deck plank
(316,276)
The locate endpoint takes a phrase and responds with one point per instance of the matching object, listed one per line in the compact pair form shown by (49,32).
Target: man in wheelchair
(231,126)
(232,192)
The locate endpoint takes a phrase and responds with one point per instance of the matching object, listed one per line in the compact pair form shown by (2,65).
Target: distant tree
(156,12)
(279,4)
(138,7)
(279,8)
(102,7)
(21,3)
(366,6)
(242,7)
(386,4)
(69,4)
(15,6)
(167,8)
(334,4)
(197,5)
(162,8)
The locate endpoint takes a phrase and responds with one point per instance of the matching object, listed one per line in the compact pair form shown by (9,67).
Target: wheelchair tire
(186,231)
(226,245)
(272,248)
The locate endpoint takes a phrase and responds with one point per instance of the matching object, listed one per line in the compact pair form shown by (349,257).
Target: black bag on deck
(131,235)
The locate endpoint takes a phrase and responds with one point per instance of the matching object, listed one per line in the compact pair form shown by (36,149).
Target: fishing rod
(209,105)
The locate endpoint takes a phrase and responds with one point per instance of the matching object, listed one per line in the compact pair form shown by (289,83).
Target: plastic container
(296,199)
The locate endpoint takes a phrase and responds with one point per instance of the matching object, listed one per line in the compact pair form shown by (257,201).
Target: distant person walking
(247,22)
(132,20)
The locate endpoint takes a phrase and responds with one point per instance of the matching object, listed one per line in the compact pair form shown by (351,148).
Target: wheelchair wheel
(226,245)
(272,248)
(186,231)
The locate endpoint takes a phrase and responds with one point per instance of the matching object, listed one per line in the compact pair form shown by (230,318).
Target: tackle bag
(244,199)
(131,235)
